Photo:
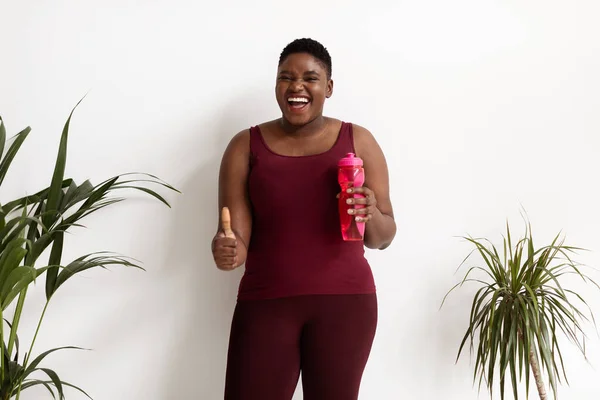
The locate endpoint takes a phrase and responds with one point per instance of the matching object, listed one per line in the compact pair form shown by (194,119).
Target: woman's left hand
(369,202)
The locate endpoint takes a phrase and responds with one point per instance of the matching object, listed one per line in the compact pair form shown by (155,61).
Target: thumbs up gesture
(224,246)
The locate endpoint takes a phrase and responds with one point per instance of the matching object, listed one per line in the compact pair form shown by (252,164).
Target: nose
(297,85)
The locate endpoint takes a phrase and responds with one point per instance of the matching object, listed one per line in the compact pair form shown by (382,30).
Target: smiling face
(303,84)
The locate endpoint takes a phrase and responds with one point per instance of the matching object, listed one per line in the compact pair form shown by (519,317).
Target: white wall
(480,106)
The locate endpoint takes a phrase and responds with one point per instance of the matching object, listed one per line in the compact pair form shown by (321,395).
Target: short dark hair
(310,46)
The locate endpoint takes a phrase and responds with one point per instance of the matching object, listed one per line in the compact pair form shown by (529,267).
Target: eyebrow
(306,73)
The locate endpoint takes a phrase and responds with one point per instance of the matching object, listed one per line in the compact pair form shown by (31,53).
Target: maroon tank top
(296,247)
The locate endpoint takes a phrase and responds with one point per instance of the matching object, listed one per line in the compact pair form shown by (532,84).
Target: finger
(226,260)
(360,211)
(226,267)
(359,200)
(225,252)
(222,241)
(231,264)
(226,223)
(360,189)
(366,218)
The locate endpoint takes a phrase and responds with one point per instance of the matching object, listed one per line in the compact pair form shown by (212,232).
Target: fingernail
(350,201)
(349,191)
(358,219)
(350,211)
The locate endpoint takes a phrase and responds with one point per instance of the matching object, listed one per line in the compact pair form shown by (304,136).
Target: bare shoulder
(240,143)
(334,122)
(242,137)
(364,141)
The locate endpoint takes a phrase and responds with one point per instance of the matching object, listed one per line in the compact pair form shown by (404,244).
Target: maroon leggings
(327,337)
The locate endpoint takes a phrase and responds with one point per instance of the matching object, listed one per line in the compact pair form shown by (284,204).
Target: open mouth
(298,103)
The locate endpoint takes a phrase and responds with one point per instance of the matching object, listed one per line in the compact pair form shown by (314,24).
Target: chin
(298,120)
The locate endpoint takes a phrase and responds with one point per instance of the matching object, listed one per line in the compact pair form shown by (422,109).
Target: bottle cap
(350,161)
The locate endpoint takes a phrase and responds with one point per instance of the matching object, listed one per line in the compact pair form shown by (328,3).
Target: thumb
(226,223)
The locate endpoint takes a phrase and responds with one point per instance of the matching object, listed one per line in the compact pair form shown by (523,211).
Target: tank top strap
(345,142)
(257,145)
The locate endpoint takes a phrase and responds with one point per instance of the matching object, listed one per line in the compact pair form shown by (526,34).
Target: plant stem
(36,333)
(537,374)
(535,367)
(37,330)
(2,346)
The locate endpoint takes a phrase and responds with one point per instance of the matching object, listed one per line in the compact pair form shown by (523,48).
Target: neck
(313,128)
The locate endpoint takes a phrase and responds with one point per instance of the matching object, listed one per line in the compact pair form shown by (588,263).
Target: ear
(329,91)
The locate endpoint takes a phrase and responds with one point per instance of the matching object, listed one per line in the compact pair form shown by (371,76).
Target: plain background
(482,108)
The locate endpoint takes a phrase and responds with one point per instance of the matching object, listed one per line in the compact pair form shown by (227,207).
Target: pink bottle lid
(350,161)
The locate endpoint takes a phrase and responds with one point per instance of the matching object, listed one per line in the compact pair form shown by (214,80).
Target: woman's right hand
(224,244)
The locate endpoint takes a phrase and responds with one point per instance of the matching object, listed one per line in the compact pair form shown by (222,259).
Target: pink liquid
(349,177)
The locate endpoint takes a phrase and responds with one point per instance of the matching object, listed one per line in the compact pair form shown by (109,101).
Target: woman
(307,299)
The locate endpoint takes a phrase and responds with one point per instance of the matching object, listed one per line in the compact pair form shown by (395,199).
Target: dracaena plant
(32,224)
(523,310)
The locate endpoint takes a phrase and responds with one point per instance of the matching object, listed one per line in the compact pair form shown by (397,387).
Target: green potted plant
(32,224)
(522,310)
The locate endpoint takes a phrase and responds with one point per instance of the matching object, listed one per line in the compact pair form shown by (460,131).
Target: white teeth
(298,99)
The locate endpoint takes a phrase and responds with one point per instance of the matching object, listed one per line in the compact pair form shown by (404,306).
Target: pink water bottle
(350,174)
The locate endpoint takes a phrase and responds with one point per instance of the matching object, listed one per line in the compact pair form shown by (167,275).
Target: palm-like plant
(32,224)
(521,310)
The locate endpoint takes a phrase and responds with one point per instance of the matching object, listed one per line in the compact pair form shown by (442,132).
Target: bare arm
(381,227)
(233,193)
